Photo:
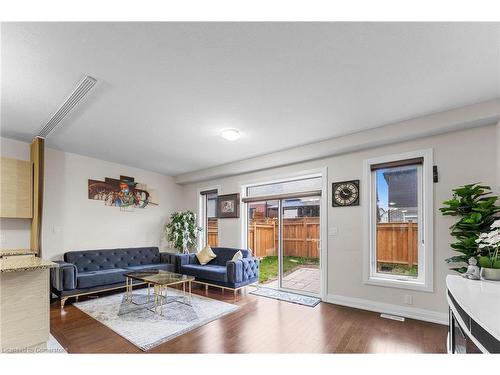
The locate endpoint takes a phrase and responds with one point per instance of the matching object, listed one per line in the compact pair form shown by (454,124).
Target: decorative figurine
(472,272)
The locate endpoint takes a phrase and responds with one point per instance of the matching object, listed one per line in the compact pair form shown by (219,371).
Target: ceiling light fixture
(71,102)
(230,134)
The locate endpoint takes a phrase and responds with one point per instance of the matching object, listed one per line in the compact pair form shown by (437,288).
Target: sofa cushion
(207,272)
(205,255)
(102,277)
(158,266)
(237,256)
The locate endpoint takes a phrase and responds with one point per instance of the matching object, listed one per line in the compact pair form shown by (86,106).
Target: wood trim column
(37,159)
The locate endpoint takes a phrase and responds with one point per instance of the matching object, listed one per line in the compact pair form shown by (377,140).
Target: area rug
(286,296)
(144,328)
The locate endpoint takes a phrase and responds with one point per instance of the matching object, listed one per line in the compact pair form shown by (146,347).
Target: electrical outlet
(408,299)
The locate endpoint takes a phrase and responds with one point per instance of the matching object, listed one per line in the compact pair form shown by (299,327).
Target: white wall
(15,233)
(71,221)
(462,157)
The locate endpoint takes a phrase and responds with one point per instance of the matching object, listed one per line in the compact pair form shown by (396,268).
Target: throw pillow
(205,255)
(237,256)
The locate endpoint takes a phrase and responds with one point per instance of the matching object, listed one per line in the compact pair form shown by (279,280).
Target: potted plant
(182,230)
(476,209)
(490,241)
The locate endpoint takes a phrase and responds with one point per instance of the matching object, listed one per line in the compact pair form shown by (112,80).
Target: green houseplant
(476,210)
(182,230)
(490,264)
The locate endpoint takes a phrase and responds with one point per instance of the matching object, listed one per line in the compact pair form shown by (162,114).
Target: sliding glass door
(284,233)
(263,238)
(300,244)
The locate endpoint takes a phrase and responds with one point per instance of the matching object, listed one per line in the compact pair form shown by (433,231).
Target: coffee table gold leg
(156,298)
(164,288)
(190,295)
(127,289)
(160,300)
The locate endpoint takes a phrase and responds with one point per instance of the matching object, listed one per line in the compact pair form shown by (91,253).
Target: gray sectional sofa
(91,271)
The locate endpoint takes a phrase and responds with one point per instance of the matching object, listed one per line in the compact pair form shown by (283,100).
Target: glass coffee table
(160,280)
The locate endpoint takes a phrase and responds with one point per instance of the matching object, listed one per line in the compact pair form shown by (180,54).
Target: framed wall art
(228,206)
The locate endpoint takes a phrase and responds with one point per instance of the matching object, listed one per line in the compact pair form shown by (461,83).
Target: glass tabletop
(159,277)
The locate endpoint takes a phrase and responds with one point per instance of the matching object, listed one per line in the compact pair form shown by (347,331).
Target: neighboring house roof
(402,186)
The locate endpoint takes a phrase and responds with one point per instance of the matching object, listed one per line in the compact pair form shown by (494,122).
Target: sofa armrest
(64,276)
(242,269)
(234,271)
(183,259)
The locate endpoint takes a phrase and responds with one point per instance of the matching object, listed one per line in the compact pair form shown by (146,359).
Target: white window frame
(424,281)
(202,220)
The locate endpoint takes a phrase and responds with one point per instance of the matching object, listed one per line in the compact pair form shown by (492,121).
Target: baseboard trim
(386,308)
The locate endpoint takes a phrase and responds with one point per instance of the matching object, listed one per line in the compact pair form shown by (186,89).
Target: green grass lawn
(399,269)
(269,266)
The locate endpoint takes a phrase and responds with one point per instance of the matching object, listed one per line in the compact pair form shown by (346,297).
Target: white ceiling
(167,89)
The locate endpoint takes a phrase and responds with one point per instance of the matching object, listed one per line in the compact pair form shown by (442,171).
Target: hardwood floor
(263,325)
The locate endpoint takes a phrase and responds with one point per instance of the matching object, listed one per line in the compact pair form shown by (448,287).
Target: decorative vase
(490,274)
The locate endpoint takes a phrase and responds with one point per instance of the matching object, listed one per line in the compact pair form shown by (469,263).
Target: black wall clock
(345,193)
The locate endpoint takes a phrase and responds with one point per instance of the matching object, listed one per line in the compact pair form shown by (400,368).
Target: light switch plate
(333,231)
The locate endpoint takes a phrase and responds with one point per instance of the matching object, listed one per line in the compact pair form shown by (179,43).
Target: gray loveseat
(91,271)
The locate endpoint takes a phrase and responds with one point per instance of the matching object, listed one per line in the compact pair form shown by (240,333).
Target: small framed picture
(228,206)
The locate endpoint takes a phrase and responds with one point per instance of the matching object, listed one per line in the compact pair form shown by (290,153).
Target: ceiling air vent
(76,96)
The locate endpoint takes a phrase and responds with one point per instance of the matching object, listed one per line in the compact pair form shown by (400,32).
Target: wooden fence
(396,242)
(213,232)
(300,237)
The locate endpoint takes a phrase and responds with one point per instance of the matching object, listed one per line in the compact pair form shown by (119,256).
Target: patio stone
(302,279)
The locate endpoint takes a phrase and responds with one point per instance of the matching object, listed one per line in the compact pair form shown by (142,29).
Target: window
(208,215)
(285,187)
(400,221)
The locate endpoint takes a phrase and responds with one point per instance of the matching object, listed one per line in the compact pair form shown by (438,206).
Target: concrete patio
(305,279)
